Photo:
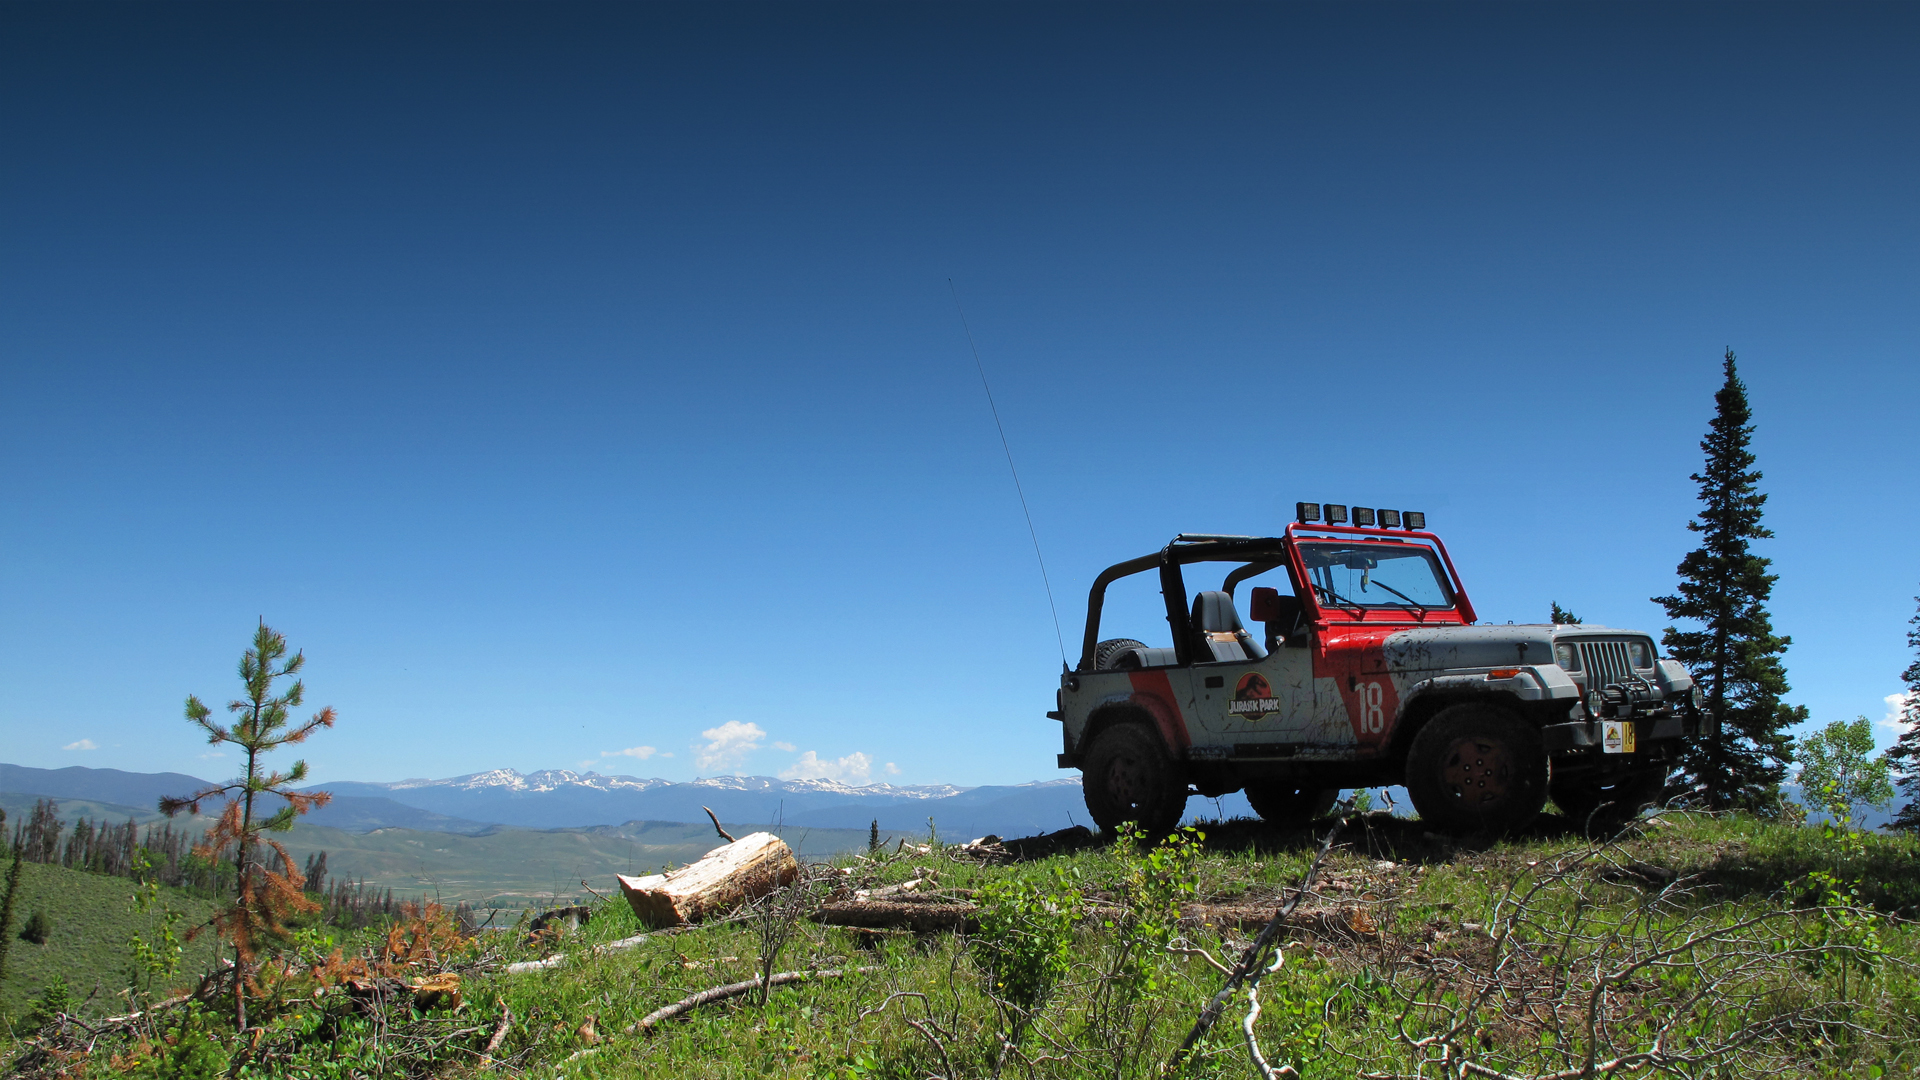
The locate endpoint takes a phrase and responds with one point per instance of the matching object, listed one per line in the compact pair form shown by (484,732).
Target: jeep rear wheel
(1281,804)
(1475,768)
(1127,776)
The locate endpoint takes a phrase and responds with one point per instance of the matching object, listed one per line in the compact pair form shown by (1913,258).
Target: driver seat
(1218,635)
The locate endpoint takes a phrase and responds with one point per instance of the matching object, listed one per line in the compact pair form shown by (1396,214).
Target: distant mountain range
(560,798)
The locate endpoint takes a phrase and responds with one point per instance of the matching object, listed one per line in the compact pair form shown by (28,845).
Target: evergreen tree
(1562,617)
(263,895)
(6,905)
(1734,653)
(1905,755)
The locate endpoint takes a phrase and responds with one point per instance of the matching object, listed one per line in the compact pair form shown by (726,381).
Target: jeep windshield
(1370,575)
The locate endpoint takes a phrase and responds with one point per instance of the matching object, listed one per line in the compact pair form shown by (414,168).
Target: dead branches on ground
(685,1005)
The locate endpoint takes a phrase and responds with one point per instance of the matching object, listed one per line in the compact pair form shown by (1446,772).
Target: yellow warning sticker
(1616,736)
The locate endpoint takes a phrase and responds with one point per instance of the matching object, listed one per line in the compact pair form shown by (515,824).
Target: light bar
(1364,517)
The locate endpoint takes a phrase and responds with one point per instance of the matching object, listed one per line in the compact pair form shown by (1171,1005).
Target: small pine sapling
(38,930)
(263,895)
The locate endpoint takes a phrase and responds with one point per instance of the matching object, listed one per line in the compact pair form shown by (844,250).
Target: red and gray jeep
(1369,672)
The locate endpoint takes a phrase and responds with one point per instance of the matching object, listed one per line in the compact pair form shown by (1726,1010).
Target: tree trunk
(728,876)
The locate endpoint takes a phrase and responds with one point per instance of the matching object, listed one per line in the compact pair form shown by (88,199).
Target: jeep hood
(1443,648)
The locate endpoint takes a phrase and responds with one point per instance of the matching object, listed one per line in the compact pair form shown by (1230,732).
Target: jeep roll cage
(1261,554)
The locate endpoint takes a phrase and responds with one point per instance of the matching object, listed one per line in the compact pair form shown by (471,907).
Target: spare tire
(1111,654)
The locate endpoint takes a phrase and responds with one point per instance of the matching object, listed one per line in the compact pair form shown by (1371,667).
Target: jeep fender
(1151,705)
(1533,684)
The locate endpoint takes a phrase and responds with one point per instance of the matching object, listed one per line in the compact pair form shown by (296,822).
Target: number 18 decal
(1373,718)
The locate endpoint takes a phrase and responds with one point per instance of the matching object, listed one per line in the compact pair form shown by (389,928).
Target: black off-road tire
(1600,806)
(1105,653)
(1477,769)
(1281,804)
(1128,776)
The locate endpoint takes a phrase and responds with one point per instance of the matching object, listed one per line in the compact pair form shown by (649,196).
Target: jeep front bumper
(1590,735)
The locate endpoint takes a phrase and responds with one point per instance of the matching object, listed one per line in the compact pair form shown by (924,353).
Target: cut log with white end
(725,878)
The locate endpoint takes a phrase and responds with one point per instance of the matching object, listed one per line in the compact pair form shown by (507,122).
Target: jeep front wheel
(1281,804)
(1477,769)
(1127,776)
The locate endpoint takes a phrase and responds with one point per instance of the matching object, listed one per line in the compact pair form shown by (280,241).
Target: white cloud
(1896,707)
(727,745)
(83,744)
(641,752)
(213,755)
(855,768)
(892,769)
(787,746)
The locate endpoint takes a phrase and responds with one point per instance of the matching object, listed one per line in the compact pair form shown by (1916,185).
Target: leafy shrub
(1025,942)
(38,929)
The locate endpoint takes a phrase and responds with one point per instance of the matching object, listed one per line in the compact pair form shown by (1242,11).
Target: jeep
(1370,672)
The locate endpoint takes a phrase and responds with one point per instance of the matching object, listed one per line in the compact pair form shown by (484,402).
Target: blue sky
(572,379)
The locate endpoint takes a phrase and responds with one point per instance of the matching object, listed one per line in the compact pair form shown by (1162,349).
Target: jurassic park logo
(1252,697)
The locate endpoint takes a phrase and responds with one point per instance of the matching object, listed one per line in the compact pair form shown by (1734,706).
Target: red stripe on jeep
(1153,691)
(1357,663)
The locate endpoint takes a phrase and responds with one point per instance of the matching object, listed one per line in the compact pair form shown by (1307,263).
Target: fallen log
(560,958)
(919,916)
(720,993)
(728,876)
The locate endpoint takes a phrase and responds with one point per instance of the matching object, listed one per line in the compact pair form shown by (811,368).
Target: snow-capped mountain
(561,779)
(562,798)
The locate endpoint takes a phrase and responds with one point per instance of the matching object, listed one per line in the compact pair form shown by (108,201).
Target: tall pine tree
(1734,653)
(1905,754)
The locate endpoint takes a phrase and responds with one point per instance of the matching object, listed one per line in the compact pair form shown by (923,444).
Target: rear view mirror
(1266,604)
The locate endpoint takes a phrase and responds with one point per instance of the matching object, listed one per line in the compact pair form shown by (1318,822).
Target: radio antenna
(1017,489)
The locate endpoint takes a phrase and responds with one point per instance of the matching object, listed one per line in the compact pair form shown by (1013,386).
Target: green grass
(1336,1008)
(93,919)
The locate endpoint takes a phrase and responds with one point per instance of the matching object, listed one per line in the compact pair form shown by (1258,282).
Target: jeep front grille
(1603,663)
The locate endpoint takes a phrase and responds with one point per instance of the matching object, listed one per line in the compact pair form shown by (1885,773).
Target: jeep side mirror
(1266,604)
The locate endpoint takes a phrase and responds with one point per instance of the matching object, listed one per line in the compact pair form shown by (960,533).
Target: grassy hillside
(1694,946)
(92,922)
(19,806)
(505,867)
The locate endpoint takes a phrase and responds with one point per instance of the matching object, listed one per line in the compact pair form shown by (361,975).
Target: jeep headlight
(1564,655)
(1699,697)
(1639,654)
